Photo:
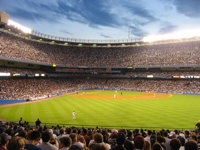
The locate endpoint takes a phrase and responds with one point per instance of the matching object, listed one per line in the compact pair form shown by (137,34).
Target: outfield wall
(3,102)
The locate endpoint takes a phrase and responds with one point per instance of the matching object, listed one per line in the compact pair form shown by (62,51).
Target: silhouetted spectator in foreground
(157,146)
(33,139)
(75,147)
(46,145)
(175,144)
(139,142)
(16,143)
(4,140)
(38,122)
(120,140)
(97,146)
(65,143)
(191,145)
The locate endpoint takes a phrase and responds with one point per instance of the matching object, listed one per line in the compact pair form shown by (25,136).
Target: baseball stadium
(131,85)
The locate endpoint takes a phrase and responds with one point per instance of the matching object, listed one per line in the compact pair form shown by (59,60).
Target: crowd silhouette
(19,136)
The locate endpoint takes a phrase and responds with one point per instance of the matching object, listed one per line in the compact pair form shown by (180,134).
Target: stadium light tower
(3,18)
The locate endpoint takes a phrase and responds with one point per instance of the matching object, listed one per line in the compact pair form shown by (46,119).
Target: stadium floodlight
(19,26)
(173,36)
(42,75)
(37,74)
(123,45)
(4,74)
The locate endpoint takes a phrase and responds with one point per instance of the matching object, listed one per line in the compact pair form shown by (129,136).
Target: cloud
(167,28)
(31,11)
(19,13)
(105,36)
(137,31)
(94,13)
(189,8)
(64,31)
(141,15)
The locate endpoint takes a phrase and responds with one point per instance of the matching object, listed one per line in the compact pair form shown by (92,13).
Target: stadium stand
(173,54)
(130,68)
(108,138)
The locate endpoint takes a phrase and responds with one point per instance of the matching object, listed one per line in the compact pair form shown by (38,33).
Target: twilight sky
(104,19)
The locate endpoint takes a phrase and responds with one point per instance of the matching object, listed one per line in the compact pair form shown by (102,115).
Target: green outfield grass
(174,112)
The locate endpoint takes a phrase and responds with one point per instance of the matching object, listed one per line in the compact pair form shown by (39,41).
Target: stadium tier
(171,54)
(132,67)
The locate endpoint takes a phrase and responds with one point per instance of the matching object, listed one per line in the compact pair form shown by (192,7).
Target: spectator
(139,142)
(38,123)
(98,138)
(97,146)
(75,147)
(16,143)
(167,140)
(75,141)
(86,137)
(191,145)
(120,140)
(161,140)
(20,121)
(147,138)
(182,140)
(45,145)
(65,143)
(175,144)
(23,133)
(157,146)
(61,134)
(198,142)
(147,145)
(33,140)
(4,140)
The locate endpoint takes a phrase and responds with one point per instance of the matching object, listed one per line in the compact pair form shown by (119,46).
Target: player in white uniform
(115,95)
(73,115)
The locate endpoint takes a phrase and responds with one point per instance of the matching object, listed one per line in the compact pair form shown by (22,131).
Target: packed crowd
(20,136)
(182,53)
(34,88)
(42,88)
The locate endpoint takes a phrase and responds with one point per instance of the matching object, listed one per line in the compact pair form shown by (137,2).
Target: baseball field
(112,109)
